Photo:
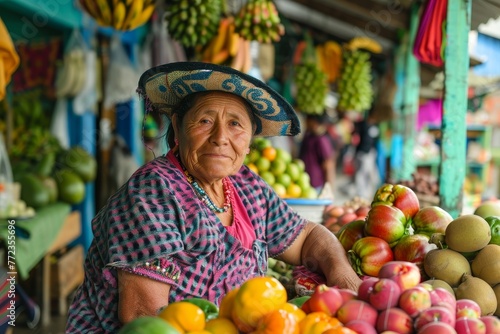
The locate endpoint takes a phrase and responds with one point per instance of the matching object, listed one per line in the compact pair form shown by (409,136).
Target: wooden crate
(66,272)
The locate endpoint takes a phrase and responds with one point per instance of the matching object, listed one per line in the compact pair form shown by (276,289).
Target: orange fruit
(293,309)
(257,297)
(318,322)
(269,153)
(221,325)
(184,316)
(199,332)
(227,304)
(340,330)
(277,321)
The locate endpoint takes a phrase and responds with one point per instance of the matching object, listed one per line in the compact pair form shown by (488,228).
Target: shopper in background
(317,152)
(196,222)
(366,176)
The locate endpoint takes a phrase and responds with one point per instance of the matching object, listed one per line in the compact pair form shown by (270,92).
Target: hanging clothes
(431,34)
(9,59)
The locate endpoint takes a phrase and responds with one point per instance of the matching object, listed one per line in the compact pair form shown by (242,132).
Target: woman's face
(214,136)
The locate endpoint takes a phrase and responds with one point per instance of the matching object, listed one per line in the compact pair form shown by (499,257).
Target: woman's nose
(219,134)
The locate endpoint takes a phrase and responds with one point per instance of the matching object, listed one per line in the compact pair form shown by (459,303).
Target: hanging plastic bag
(86,100)
(122,77)
(59,123)
(72,74)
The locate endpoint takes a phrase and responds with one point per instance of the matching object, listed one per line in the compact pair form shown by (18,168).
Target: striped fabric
(156,226)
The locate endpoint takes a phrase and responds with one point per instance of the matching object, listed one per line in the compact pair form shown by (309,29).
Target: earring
(248,150)
(176,141)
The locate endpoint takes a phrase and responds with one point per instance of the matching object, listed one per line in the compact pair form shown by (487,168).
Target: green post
(410,99)
(454,127)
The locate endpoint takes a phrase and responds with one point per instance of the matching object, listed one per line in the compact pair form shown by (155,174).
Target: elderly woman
(197,222)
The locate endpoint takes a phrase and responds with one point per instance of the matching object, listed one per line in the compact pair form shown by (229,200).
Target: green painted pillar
(454,127)
(396,156)
(411,95)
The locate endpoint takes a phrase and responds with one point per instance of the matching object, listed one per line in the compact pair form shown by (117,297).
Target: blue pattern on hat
(164,86)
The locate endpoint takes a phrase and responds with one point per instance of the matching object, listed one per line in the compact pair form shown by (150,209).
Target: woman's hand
(140,296)
(320,251)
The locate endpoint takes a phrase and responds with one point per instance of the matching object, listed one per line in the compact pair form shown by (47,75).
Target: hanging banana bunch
(355,87)
(310,80)
(193,22)
(258,20)
(121,15)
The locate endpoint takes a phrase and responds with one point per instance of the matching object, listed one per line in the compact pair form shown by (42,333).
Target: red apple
(385,222)
(325,299)
(394,319)
(357,310)
(431,219)
(399,196)
(346,218)
(437,327)
(351,233)
(492,324)
(362,211)
(385,294)
(470,326)
(360,326)
(405,273)
(348,294)
(442,297)
(467,308)
(413,248)
(366,287)
(435,313)
(415,300)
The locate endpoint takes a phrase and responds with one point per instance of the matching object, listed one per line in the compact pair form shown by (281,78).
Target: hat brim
(164,86)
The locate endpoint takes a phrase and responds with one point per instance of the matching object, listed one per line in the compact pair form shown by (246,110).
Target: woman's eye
(235,123)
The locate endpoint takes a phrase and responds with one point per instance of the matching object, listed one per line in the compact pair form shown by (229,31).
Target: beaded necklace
(203,196)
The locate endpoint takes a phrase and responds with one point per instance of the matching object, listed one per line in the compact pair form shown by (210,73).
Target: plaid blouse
(156,226)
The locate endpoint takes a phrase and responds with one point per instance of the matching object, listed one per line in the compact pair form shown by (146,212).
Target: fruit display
(121,15)
(394,301)
(287,176)
(258,20)
(395,228)
(355,86)
(335,216)
(193,22)
(312,88)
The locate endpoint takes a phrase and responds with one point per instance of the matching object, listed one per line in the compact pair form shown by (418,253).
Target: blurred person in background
(366,175)
(317,152)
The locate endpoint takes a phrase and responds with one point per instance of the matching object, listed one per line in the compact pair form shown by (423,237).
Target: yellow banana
(134,11)
(91,8)
(222,35)
(233,40)
(105,11)
(143,17)
(119,13)
(366,43)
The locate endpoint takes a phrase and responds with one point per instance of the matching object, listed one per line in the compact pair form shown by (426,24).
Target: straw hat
(164,86)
